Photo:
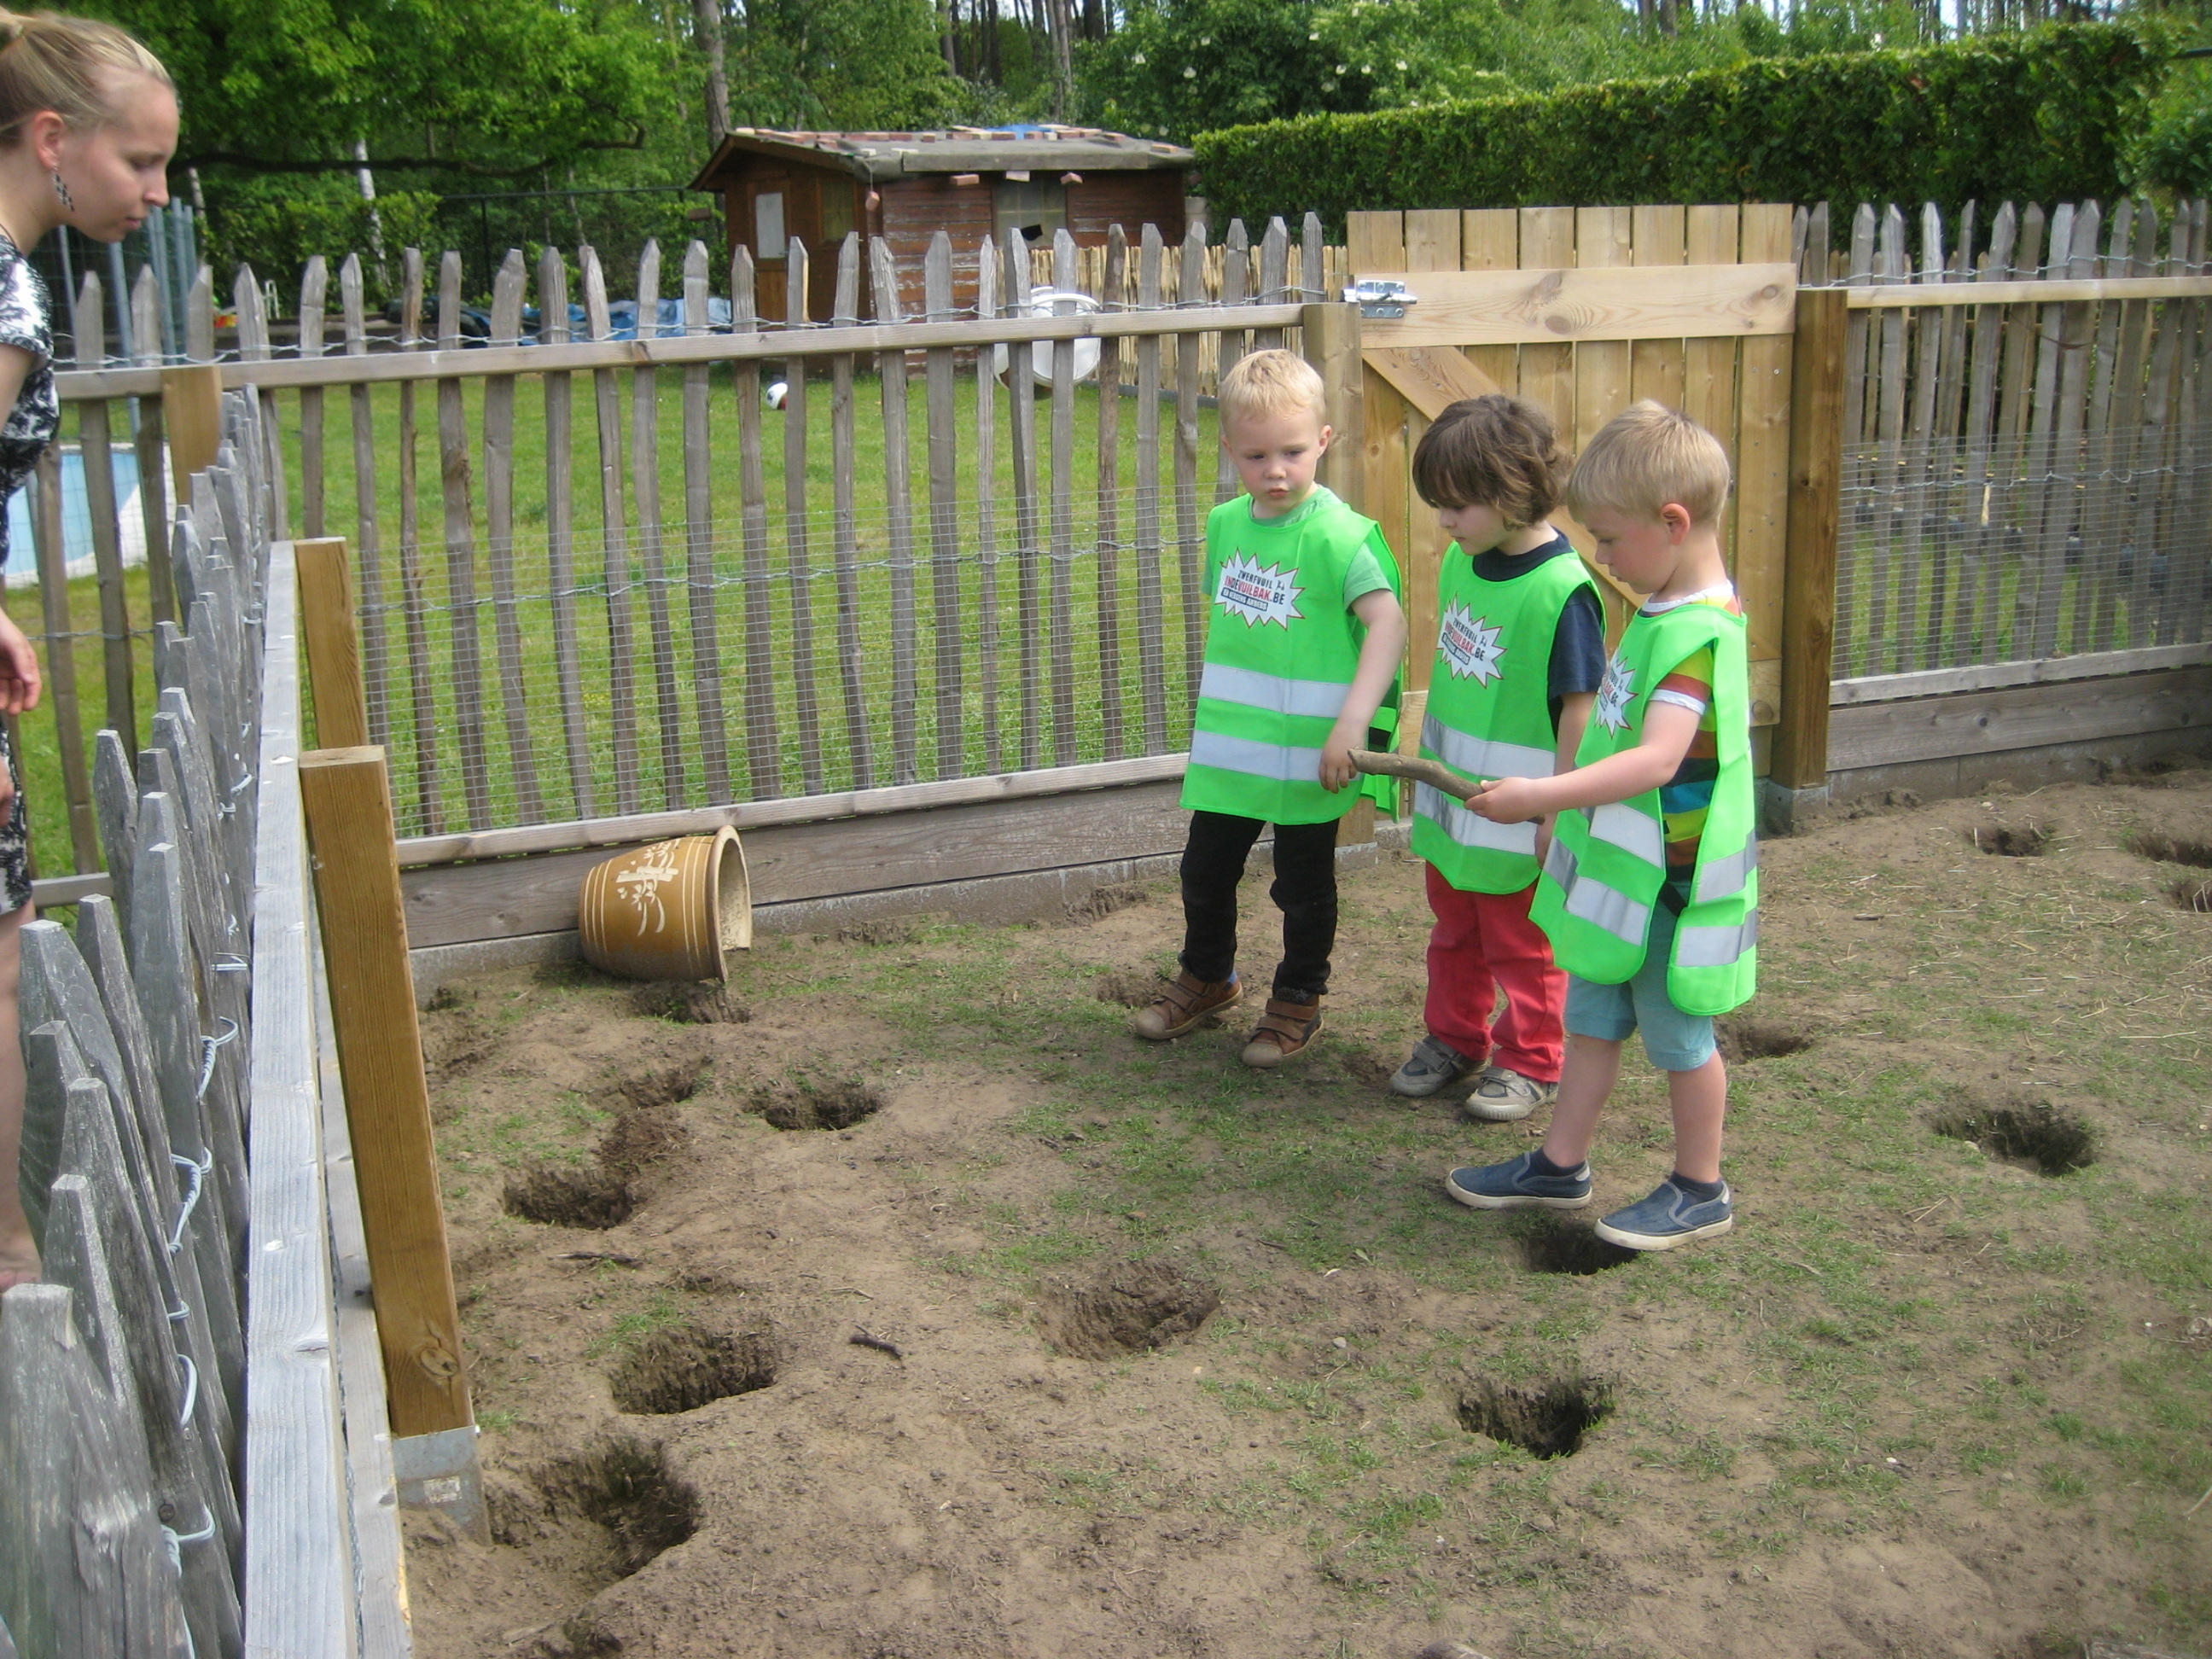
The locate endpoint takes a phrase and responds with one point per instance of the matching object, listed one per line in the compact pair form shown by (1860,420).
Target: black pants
(1304,890)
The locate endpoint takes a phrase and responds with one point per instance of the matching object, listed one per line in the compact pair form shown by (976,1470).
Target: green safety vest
(1281,650)
(1607,864)
(1489,713)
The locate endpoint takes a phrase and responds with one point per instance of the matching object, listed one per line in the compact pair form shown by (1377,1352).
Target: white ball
(777,392)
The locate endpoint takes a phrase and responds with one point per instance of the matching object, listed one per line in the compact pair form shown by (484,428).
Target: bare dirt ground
(897,1302)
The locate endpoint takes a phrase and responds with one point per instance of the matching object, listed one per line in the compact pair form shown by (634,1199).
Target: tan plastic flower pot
(673,910)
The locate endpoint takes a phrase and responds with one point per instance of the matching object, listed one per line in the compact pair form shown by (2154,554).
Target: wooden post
(1808,589)
(1332,346)
(192,409)
(333,642)
(349,804)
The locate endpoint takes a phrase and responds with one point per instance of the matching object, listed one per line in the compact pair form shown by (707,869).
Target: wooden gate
(1541,302)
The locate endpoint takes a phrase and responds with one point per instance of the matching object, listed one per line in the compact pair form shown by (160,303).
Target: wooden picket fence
(2026,417)
(174,1448)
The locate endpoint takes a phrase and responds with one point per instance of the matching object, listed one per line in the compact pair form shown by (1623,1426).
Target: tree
(841,65)
(473,87)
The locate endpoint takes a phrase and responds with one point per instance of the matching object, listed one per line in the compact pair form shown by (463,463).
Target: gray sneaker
(1433,1066)
(1504,1096)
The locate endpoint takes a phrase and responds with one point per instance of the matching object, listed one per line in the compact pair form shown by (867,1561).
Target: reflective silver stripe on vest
(1715,947)
(1486,757)
(1253,690)
(1725,878)
(1632,831)
(1260,760)
(1472,828)
(1610,908)
(1560,863)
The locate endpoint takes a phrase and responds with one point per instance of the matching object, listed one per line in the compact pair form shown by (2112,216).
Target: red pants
(1483,943)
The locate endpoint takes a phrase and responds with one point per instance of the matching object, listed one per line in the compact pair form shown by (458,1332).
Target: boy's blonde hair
(1647,456)
(1272,383)
(1495,451)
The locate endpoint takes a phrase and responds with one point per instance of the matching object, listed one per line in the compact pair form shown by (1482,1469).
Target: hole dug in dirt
(1549,1245)
(2022,1130)
(618,1484)
(1742,1039)
(2010,841)
(555,1196)
(691,1004)
(806,1104)
(2190,894)
(1125,1309)
(1129,990)
(2168,849)
(663,1085)
(688,1366)
(1548,1421)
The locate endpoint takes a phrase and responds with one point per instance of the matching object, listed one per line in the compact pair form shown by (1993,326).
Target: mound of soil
(688,1004)
(1126,1308)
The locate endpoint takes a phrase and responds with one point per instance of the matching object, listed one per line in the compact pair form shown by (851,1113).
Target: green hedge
(2045,116)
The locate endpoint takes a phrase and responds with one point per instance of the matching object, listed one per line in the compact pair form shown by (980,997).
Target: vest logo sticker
(1617,692)
(1269,595)
(1470,646)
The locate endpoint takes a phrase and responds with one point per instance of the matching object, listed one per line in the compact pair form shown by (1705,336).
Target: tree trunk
(707,32)
(1094,20)
(1063,58)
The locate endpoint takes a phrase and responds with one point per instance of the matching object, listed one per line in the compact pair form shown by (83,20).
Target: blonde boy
(1302,653)
(1650,890)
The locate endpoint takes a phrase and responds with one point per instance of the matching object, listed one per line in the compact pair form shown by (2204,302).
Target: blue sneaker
(1514,1185)
(1668,1218)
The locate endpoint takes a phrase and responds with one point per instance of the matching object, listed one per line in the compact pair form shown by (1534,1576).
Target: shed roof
(879,156)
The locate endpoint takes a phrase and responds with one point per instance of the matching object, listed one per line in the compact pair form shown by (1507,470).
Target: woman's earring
(61,193)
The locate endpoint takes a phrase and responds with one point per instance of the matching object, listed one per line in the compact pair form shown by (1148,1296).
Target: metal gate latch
(1380,296)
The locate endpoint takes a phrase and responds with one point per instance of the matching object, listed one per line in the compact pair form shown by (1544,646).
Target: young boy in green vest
(1302,653)
(1519,652)
(1650,890)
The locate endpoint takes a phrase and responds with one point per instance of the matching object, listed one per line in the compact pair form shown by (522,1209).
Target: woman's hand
(19,670)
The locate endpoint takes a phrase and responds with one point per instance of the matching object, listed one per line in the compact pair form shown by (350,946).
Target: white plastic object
(776,392)
(1047,302)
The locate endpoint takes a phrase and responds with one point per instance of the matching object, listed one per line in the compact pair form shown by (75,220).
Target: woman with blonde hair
(88,123)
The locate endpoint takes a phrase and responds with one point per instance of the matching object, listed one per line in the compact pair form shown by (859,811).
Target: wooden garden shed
(906,187)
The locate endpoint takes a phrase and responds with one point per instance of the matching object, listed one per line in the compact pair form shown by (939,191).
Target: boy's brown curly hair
(1495,451)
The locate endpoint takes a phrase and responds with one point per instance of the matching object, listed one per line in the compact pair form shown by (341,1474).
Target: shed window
(768,225)
(1033,207)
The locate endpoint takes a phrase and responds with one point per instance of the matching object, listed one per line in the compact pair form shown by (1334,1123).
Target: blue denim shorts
(1676,1042)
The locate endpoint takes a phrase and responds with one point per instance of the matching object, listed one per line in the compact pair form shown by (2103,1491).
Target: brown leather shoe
(1186,1005)
(1287,1028)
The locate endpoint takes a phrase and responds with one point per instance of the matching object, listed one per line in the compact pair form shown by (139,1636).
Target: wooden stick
(1063,512)
(1151,624)
(1021,427)
(61,660)
(1416,770)
(375,667)
(1808,595)
(1190,535)
(315,285)
(364,932)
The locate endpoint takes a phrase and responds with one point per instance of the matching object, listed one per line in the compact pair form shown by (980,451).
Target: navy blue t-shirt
(1578,646)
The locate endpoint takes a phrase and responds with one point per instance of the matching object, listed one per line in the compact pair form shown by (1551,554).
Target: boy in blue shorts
(1650,890)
